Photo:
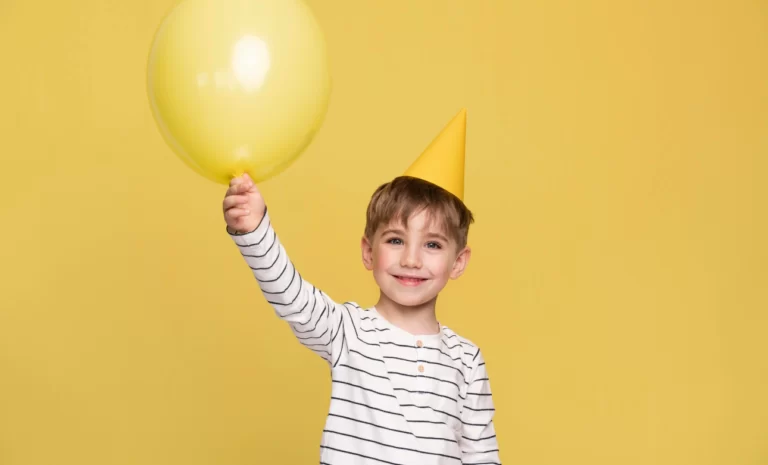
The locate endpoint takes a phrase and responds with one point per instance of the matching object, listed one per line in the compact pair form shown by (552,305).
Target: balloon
(238,86)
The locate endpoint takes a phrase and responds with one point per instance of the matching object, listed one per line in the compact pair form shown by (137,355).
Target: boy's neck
(419,320)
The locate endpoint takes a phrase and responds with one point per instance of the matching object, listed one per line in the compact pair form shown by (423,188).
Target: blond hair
(398,199)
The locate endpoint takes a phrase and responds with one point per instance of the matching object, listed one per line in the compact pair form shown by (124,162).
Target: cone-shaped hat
(442,162)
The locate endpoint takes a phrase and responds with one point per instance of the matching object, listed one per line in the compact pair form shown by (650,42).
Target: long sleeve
(478,436)
(315,319)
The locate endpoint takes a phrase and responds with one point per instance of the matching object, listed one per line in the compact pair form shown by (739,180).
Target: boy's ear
(461,262)
(367,252)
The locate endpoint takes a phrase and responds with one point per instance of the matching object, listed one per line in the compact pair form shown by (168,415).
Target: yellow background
(616,165)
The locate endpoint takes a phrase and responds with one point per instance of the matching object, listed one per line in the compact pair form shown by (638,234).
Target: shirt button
(421,368)
(419,344)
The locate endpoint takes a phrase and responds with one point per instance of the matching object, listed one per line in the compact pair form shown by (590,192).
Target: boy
(405,389)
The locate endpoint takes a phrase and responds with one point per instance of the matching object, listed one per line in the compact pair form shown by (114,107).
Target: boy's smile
(410,281)
(412,264)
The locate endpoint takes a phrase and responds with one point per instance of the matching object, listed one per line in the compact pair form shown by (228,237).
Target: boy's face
(412,265)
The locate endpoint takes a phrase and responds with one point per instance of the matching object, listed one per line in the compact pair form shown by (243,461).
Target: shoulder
(452,338)
(468,351)
(353,311)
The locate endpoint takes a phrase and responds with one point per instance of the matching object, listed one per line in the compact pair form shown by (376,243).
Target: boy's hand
(243,205)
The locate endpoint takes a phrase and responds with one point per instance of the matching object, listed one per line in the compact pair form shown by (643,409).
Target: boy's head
(415,239)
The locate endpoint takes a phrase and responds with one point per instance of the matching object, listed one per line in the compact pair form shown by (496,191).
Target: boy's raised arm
(315,319)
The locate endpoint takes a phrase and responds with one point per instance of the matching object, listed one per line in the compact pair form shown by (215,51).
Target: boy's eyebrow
(437,235)
(392,230)
(402,232)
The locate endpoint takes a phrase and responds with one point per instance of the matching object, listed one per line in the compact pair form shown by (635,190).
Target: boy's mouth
(409,280)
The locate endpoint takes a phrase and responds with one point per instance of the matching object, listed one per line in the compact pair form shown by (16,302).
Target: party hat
(442,162)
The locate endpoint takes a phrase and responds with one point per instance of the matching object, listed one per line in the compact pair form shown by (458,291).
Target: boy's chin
(409,300)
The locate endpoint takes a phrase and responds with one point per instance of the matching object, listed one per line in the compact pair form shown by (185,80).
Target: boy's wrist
(234,232)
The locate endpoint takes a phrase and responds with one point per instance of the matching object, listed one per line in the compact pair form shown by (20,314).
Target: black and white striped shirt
(396,398)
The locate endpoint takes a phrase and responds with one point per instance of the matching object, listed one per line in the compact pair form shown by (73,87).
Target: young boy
(405,389)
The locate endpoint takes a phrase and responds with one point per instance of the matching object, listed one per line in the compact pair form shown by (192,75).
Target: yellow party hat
(442,162)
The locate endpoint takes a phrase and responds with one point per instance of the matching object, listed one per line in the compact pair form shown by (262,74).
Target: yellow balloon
(239,86)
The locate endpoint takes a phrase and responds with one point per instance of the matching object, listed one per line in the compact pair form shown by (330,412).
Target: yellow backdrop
(616,164)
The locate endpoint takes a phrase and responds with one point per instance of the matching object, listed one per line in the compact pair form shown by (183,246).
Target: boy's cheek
(382,258)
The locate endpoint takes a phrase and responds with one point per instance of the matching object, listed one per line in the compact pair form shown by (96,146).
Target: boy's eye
(395,241)
(434,245)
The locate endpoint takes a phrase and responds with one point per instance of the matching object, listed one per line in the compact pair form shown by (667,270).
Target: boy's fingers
(235,200)
(236,213)
(238,188)
(241,184)
(248,182)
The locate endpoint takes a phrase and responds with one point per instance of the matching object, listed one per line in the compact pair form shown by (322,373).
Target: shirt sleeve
(478,436)
(315,319)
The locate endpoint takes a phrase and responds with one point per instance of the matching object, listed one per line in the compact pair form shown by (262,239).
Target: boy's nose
(410,258)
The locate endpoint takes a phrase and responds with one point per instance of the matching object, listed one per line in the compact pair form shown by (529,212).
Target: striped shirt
(396,398)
